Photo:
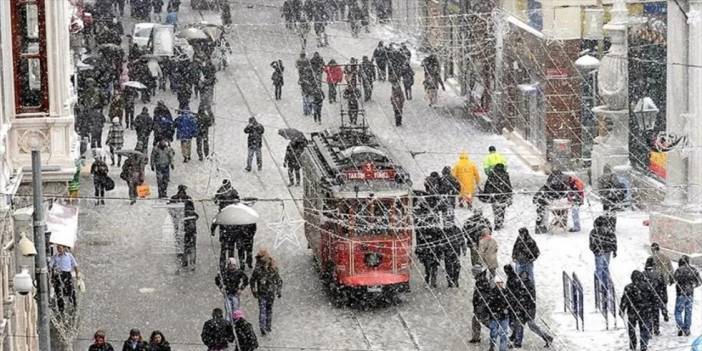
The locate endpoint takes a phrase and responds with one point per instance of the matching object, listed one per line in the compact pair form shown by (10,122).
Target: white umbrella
(134,84)
(237,214)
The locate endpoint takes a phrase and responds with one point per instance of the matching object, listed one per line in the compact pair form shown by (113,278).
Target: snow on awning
(62,223)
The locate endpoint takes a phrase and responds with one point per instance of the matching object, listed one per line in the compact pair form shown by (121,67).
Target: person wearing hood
(472,230)
(603,244)
(226,195)
(687,279)
(115,141)
(163,123)
(334,75)
(656,280)
(467,174)
(186,130)
(144,125)
(157,342)
(487,250)
(317,101)
(232,281)
(243,331)
(100,342)
(636,306)
(135,342)
(522,300)
(432,183)
(266,285)
(524,252)
(481,294)
(217,332)
(498,192)
(407,75)
(499,307)
(162,163)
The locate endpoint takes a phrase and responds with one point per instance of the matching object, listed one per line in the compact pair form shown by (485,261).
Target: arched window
(29,56)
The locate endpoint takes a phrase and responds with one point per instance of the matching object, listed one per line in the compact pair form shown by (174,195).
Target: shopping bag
(143,191)
(109,184)
(81,285)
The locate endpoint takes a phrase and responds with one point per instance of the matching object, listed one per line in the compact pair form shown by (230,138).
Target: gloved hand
(614,254)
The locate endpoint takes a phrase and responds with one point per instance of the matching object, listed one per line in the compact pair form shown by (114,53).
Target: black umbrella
(291,134)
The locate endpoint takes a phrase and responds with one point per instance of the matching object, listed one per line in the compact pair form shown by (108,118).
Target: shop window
(29,56)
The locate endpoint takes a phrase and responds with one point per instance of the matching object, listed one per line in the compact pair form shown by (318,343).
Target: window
(29,56)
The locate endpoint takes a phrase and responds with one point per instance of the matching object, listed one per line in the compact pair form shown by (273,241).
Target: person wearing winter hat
(499,308)
(232,281)
(115,140)
(243,331)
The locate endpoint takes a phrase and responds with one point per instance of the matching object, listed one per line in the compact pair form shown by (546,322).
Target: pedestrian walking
(116,109)
(556,188)
(352,94)
(663,263)
(467,174)
(576,198)
(217,332)
(453,247)
(231,281)
(266,285)
(603,244)
(380,56)
(687,278)
(144,125)
(407,75)
(227,241)
(292,162)
(97,123)
(162,163)
(481,294)
(334,75)
(449,187)
(135,342)
(637,305)
(524,252)
(612,193)
(472,230)
(521,296)
(487,251)
(498,192)
(157,342)
(204,122)
(317,66)
(368,76)
(115,141)
(226,195)
(186,130)
(397,100)
(431,90)
(163,124)
(317,103)
(656,281)
(63,264)
(133,172)
(254,143)
(99,170)
(130,95)
(493,159)
(244,245)
(243,331)
(429,253)
(278,78)
(100,342)
(499,307)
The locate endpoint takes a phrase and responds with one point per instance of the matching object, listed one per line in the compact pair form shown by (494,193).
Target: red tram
(358,213)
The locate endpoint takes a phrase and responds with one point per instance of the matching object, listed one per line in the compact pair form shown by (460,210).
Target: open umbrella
(213,31)
(134,84)
(193,33)
(237,214)
(129,152)
(110,47)
(291,133)
(84,66)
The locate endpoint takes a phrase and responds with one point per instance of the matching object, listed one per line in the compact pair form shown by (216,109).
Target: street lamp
(588,66)
(646,112)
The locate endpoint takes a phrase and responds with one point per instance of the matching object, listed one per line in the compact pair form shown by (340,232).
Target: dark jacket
(612,192)
(144,125)
(255,138)
(317,64)
(99,170)
(163,125)
(380,55)
(292,158)
(163,346)
(481,295)
(498,304)
(498,187)
(217,333)
(232,281)
(521,295)
(226,195)
(428,251)
(265,283)
(556,187)
(602,238)
(638,298)
(525,249)
(140,346)
(472,228)
(657,282)
(97,121)
(687,278)
(245,336)
(277,77)
(367,73)
(105,347)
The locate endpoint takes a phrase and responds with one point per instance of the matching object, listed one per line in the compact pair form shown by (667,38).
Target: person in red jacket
(576,198)
(334,76)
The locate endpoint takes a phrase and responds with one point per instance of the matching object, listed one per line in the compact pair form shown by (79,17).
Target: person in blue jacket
(186,130)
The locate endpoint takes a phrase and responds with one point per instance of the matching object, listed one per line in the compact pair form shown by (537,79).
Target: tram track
(360,320)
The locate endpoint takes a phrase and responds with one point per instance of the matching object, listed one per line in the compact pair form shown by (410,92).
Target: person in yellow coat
(468,176)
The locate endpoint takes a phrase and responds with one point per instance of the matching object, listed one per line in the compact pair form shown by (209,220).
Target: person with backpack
(243,331)
(217,332)
(100,171)
(115,141)
(687,279)
(186,130)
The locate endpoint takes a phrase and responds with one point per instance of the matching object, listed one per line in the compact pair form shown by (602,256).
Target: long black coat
(525,249)
(245,337)
(217,333)
(472,228)
(638,298)
(656,280)
(498,187)
(481,296)
(521,295)
(499,304)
